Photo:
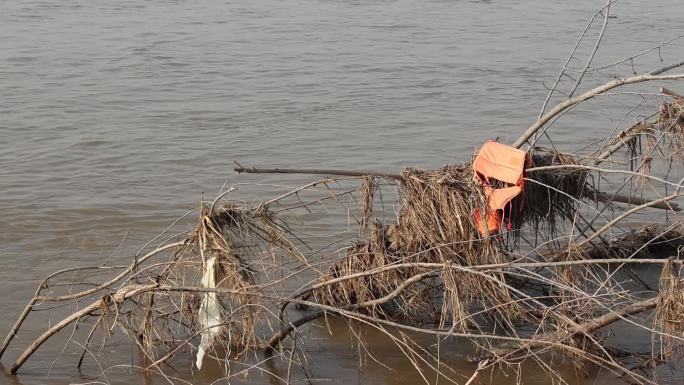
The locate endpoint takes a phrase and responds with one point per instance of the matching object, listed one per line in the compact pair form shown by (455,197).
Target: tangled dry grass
(668,315)
(657,138)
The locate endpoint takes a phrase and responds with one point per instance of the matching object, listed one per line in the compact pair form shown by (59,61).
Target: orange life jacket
(503,163)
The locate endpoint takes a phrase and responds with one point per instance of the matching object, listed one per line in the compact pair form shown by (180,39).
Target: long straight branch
(592,93)
(254,170)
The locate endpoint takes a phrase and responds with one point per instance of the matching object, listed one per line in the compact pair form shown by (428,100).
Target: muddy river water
(116,115)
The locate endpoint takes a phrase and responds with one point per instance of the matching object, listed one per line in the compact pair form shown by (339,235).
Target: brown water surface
(116,115)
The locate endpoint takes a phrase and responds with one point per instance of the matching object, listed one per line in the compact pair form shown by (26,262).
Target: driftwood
(254,170)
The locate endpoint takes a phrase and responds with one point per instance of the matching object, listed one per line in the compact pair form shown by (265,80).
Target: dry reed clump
(218,254)
(551,196)
(435,224)
(413,303)
(369,186)
(668,316)
(661,139)
(217,236)
(212,257)
(435,221)
(671,121)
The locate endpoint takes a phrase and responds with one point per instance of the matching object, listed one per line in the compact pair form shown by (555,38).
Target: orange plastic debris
(503,163)
(492,224)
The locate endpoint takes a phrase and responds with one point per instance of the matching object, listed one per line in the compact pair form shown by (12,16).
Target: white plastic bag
(209,312)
